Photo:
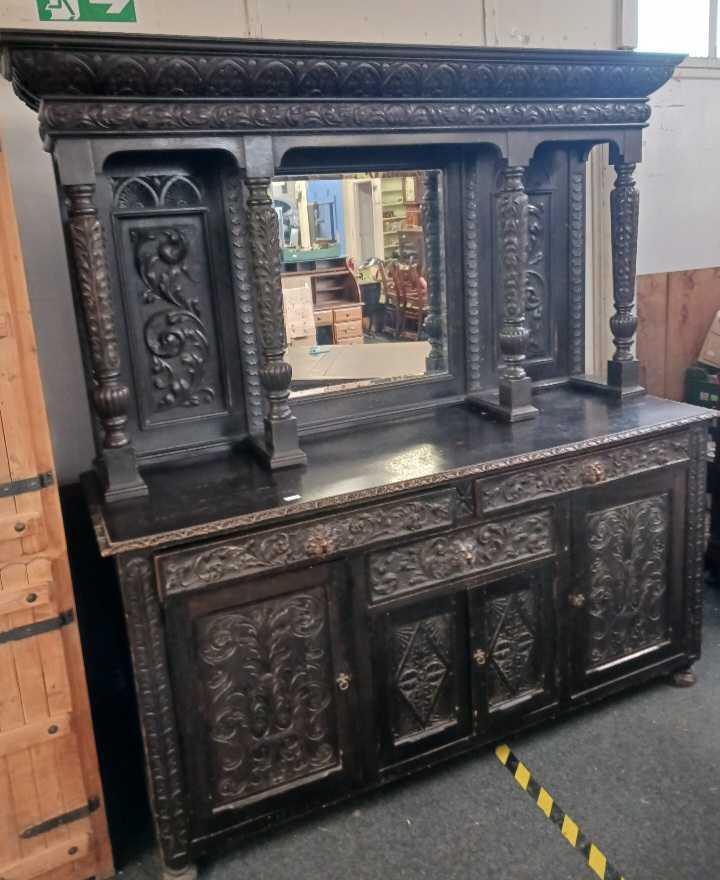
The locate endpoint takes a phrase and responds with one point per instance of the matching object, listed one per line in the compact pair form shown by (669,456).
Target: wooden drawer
(352,313)
(347,330)
(324,319)
(591,469)
(471,550)
(273,549)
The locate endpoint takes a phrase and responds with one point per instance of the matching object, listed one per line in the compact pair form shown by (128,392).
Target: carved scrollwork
(267,675)
(176,336)
(628,551)
(463,552)
(536,291)
(156,191)
(567,476)
(328,71)
(58,116)
(249,555)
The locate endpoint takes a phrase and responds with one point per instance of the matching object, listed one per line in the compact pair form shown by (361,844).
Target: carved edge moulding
(98,95)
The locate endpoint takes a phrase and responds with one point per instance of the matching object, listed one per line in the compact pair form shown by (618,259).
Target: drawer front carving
(466,551)
(267,684)
(588,470)
(277,548)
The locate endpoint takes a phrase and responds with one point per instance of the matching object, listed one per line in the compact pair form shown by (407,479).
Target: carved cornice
(41,65)
(110,547)
(78,116)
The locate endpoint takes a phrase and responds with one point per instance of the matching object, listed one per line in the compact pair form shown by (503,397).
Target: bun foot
(686,678)
(187,873)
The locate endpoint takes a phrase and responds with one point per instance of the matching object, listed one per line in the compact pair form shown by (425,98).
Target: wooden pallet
(52,818)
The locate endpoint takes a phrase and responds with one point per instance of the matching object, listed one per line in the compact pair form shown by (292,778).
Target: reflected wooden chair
(407,299)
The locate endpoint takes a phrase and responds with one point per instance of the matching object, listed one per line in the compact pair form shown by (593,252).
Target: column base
(120,476)
(280,447)
(512,402)
(623,380)
(684,679)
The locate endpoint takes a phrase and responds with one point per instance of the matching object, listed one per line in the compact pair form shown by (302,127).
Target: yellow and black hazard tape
(569,829)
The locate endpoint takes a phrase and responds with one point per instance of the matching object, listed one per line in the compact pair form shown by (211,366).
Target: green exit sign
(86,10)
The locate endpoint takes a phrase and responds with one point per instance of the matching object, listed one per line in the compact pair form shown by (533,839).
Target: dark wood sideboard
(324,595)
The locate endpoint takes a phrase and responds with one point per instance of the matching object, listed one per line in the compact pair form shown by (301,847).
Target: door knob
(577,600)
(480,657)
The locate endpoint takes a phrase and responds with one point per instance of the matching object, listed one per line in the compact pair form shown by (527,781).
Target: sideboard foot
(685,678)
(189,872)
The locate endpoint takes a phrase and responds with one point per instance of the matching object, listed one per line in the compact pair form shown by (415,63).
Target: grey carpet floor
(640,774)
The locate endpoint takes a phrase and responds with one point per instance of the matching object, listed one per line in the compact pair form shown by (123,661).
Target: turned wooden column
(513,400)
(434,326)
(624,369)
(281,447)
(110,394)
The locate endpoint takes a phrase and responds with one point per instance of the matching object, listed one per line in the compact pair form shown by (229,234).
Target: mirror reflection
(363,287)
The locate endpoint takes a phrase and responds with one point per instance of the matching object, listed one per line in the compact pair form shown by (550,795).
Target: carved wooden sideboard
(325,593)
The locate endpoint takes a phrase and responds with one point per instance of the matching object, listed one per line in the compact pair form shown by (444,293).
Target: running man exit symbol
(86,10)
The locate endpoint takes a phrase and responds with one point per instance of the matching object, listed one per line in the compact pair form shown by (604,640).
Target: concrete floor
(640,774)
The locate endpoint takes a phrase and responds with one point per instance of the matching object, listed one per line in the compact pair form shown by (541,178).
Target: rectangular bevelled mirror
(363,277)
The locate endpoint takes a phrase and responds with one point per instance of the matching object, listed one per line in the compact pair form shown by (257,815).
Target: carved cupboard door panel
(421,676)
(626,602)
(274,689)
(513,645)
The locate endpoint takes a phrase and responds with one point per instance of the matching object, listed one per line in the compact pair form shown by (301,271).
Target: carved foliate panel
(538,307)
(169,303)
(281,547)
(423,693)
(628,578)
(267,687)
(513,631)
(463,552)
(567,476)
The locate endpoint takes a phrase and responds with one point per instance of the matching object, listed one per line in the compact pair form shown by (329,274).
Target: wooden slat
(31,597)
(72,849)
(652,306)
(50,729)
(693,300)
(42,681)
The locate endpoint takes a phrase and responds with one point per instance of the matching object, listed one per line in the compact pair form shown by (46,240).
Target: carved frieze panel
(250,71)
(277,548)
(268,694)
(513,631)
(628,578)
(422,675)
(463,552)
(566,476)
(169,303)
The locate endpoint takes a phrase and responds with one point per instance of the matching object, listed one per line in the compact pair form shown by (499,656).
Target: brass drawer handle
(593,472)
(577,600)
(343,681)
(480,657)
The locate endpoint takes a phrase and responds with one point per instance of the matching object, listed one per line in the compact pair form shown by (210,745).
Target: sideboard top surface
(201,497)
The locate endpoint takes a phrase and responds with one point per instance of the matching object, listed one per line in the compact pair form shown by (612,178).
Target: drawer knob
(480,657)
(577,600)
(593,472)
(20,527)
(343,681)
(320,543)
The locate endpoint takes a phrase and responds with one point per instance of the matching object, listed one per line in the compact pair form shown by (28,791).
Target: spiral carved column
(281,439)
(110,394)
(513,401)
(624,369)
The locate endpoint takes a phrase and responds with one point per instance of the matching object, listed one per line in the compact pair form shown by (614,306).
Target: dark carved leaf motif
(267,670)
(176,337)
(463,552)
(628,578)
(512,623)
(536,284)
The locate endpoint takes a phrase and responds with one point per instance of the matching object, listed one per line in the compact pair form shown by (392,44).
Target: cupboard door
(273,694)
(513,643)
(421,676)
(627,588)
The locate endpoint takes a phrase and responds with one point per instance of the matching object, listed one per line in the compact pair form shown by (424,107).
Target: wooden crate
(48,762)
